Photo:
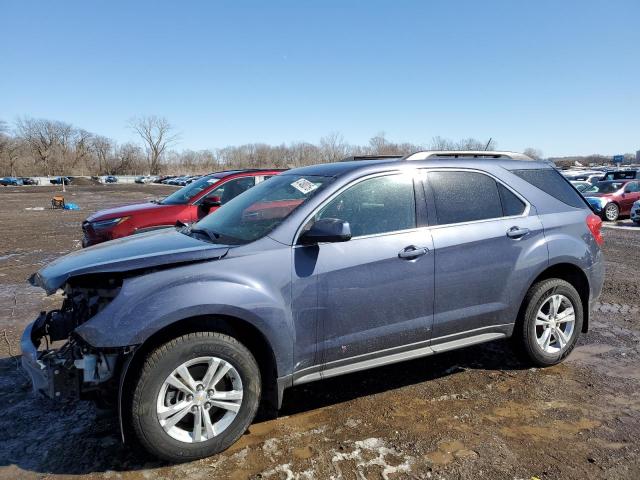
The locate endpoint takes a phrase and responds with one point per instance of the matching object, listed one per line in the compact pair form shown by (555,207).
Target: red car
(189,204)
(614,198)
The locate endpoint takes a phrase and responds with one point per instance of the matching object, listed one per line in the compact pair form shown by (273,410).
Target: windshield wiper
(213,236)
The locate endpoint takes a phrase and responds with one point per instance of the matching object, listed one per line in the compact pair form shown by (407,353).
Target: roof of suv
(508,160)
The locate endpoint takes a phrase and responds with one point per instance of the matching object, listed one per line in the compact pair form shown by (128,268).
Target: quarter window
(374,206)
(511,205)
(464,196)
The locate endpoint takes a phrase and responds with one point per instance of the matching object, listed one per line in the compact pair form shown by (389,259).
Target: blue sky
(563,76)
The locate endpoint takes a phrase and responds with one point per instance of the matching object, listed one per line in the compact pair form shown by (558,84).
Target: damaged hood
(147,250)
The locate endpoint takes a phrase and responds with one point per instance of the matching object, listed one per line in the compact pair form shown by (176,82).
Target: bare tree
(534,153)
(127,158)
(157,134)
(40,136)
(333,148)
(11,153)
(101,148)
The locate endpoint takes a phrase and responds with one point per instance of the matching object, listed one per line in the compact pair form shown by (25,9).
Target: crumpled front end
(63,366)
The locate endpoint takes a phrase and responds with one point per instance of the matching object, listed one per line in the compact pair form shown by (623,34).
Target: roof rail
(371,157)
(428,154)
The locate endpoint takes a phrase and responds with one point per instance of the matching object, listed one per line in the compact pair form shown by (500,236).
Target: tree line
(42,147)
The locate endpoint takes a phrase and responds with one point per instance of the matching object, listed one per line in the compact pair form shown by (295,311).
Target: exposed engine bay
(61,364)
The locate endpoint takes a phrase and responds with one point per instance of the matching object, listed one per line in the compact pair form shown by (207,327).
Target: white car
(635,212)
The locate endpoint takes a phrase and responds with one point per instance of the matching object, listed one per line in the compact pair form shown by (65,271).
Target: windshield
(256,212)
(606,187)
(185,194)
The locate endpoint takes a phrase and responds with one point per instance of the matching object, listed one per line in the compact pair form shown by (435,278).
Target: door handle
(411,252)
(517,232)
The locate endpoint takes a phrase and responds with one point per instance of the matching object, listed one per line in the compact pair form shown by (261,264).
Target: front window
(259,210)
(375,206)
(182,196)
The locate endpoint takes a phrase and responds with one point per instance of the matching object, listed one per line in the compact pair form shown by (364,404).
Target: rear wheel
(611,212)
(551,323)
(195,396)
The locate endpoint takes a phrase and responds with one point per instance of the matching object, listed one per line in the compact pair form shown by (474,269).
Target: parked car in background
(612,199)
(629,174)
(11,181)
(59,180)
(317,272)
(187,205)
(635,212)
(110,179)
(141,179)
(581,186)
(30,181)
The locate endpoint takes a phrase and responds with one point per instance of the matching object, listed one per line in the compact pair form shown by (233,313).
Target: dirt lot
(475,413)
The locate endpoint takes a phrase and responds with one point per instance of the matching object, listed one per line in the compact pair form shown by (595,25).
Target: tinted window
(511,205)
(550,181)
(377,205)
(464,196)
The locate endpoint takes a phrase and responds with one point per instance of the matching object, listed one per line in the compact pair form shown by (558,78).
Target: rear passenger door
(483,233)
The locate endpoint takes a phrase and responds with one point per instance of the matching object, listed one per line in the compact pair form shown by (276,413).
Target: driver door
(375,291)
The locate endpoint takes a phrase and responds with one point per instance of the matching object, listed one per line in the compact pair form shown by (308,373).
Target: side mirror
(327,230)
(209,202)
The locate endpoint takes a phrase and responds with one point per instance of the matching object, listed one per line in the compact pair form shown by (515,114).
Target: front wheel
(611,212)
(552,320)
(195,396)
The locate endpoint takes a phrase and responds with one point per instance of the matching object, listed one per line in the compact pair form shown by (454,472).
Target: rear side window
(552,182)
(464,196)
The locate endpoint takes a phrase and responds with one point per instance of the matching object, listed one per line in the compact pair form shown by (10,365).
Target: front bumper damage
(61,365)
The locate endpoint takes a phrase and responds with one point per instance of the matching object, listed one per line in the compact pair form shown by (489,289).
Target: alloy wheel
(199,399)
(555,323)
(611,212)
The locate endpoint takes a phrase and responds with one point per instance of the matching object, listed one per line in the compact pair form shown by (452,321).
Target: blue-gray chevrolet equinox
(317,272)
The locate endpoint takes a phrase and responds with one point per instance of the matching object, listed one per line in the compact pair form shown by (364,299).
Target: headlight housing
(112,222)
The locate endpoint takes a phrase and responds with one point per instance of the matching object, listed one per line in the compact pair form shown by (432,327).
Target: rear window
(550,181)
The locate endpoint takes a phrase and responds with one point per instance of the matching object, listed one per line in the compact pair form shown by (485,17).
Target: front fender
(139,311)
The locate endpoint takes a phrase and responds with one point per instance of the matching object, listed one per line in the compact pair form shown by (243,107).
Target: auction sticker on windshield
(304,186)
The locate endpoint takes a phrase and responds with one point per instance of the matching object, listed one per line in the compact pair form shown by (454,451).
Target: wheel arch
(572,274)
(243,331)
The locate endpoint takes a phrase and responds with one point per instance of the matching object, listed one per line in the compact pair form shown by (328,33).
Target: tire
(530,327)
(611,212)
(153,390)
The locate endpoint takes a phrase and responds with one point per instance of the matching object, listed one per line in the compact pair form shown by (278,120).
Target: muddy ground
(475,413)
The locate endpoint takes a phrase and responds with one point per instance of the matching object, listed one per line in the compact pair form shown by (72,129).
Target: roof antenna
(488,143)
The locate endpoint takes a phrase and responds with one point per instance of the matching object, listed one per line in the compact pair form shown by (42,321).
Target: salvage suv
(320,271)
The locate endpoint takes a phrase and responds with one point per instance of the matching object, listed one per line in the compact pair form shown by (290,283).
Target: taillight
(594,222)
